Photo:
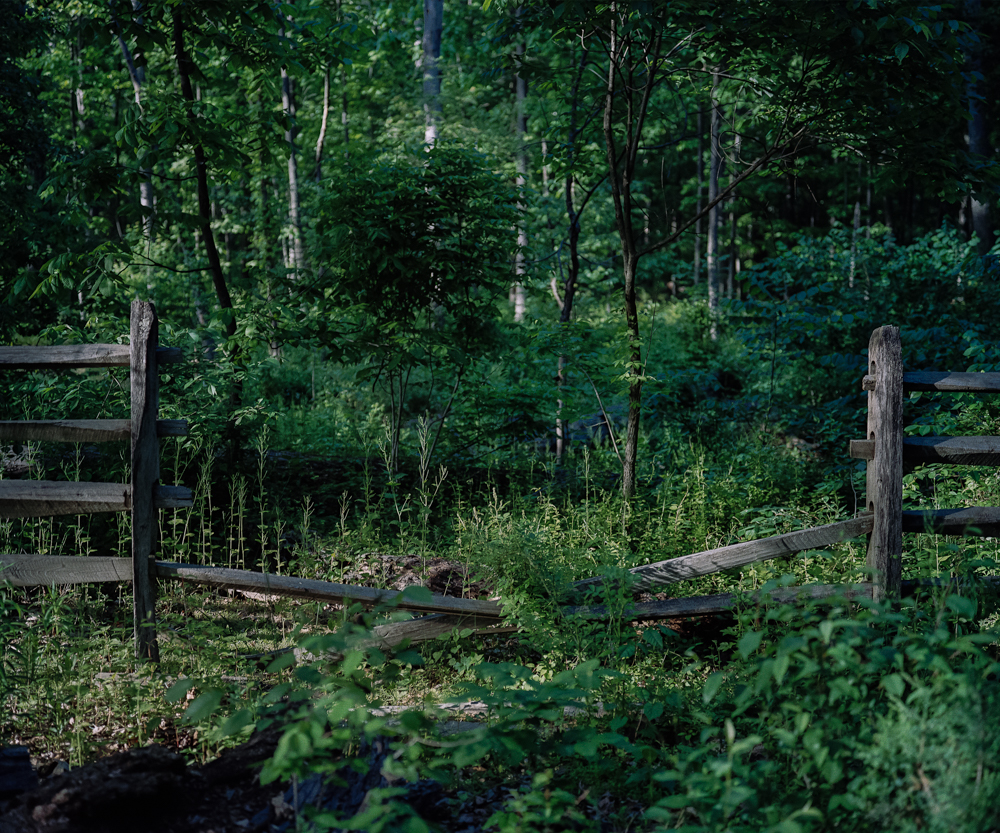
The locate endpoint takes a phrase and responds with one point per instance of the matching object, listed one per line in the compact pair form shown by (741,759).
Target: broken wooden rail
(141,497)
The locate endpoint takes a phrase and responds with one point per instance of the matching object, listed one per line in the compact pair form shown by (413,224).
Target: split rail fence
(140,497)
(883,519)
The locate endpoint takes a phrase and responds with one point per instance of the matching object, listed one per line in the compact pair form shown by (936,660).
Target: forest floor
(158,788)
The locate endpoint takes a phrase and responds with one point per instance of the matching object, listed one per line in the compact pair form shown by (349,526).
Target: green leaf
(962,605)
(894,684)
(203,706)
(711,688)
(749,642)
(235,723)
(179,689)
(901,50)
(417,594)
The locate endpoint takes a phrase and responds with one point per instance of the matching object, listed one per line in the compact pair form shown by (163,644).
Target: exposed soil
(153,790)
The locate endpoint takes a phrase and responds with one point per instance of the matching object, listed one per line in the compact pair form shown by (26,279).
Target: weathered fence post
(145,472)
(884,492)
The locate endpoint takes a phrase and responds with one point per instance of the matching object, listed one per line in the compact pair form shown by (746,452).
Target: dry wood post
(145,473)
(884,484)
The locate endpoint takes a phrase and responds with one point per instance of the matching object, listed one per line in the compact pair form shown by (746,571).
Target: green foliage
(419,249)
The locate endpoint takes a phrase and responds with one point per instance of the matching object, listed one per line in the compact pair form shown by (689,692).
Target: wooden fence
(886,451)
(141,497)
(882,520)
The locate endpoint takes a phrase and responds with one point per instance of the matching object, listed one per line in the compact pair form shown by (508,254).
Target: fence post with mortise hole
(884,484)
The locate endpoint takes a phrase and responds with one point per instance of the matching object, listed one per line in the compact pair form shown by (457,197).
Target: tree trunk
(296,261)
(345,119)
(626,59)
(321,139)
(430,64)
(521,163)
(979,129)
(185,68)
(700,170)
(137,76)
(714,214)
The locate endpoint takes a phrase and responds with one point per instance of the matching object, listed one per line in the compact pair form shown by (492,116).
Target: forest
(502,302)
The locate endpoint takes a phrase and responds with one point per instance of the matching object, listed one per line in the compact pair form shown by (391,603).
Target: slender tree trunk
(625,59)
(345,118)
(321,139)
(297,254)
(185,68)
(732,266)
(714,167)
(572,210)
(573,244)
(431,66)
(137,76)
(979,129)
(700,170)
(521,163)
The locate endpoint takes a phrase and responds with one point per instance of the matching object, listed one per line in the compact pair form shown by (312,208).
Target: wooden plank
(171,428)
(83,430)
(966,451)
(66,430)
(884,488)
(32,570)
(862,449)
(43,498)
(77,355)
(326,591)
(972,520)
(431,627)
(948,382)
(701,605)
(685,567)
(145,473)
(46,498)
(424,628)
(172,497)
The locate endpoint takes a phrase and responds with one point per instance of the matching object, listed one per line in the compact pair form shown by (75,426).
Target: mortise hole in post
(871,436)
(871,506)
(872,369)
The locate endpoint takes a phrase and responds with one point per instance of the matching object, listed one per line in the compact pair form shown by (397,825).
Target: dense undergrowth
(812,716)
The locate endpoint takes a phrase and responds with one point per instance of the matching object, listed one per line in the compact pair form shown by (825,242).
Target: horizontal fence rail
(83,430)
(68,356)
(48,498)
(965,451)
